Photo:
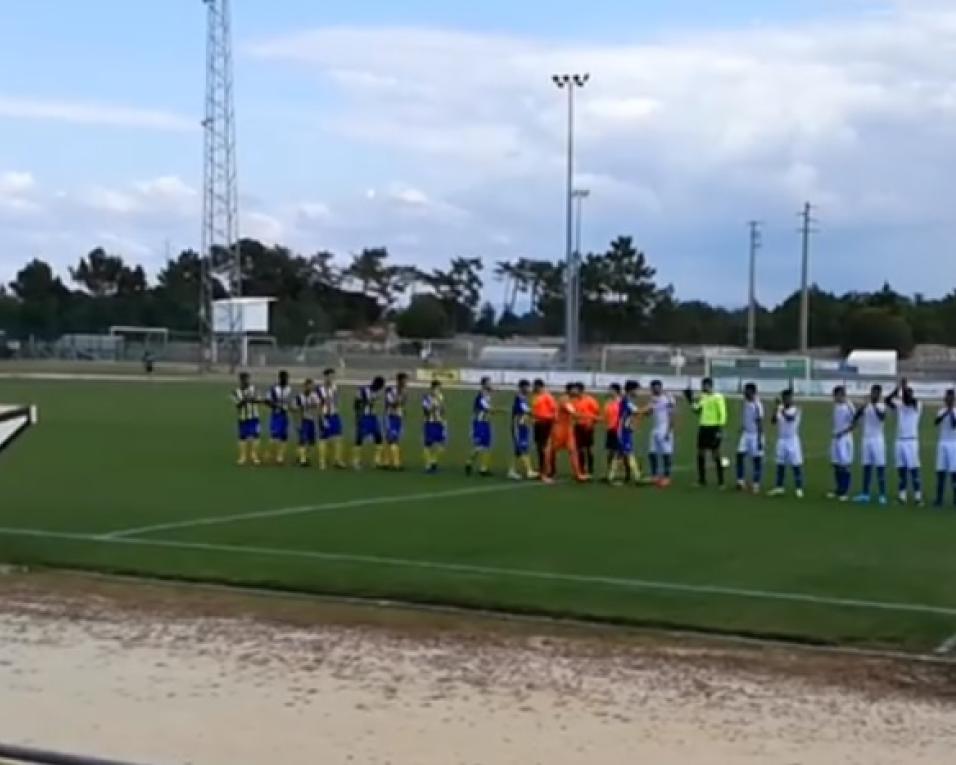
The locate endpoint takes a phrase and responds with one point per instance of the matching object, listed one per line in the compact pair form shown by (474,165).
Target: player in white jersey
(841,444)
(946,447)
(789,449)
(873,449)
(662,408)
(750,446)
(908,412)
(280,405)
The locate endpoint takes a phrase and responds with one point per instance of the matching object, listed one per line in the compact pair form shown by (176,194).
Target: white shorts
(790,453)
(841,451)
(874,452)
(946,457)
(907,454)
(750,445)
(662,443)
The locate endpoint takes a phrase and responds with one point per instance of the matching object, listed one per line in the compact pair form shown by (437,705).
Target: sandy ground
(160,674)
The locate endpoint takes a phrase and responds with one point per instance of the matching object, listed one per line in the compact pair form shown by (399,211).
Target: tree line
(621,301)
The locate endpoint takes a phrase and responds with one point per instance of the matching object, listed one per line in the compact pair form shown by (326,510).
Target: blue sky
(432,128)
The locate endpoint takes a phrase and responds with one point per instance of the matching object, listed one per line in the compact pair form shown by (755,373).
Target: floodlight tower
(221,263)
(571,83)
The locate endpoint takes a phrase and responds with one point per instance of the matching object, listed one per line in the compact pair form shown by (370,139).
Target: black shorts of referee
(709,438)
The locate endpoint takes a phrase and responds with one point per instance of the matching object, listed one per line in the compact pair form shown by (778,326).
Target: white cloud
(14,182)
(86,113)
(264,227)
(165,196)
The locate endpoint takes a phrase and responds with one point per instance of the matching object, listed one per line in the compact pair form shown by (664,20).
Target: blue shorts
(626,443)
(331,427)
(481,434)
(393,429)
(522,440)
(369,427)
(307,432)
(279,426)
(435,434)
(249,429)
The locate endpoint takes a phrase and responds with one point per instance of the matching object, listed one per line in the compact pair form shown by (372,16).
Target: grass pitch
(111,461)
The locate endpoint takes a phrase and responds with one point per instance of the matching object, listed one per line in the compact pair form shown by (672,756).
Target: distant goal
(756,368)
(14,422)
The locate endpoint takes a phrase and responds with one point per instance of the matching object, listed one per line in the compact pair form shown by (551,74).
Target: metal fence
(23,754)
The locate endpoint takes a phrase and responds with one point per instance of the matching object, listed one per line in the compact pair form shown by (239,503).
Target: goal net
(754,368)
(14,422)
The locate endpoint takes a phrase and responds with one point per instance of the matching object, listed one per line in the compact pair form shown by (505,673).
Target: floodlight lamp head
(581,79)
(561,79)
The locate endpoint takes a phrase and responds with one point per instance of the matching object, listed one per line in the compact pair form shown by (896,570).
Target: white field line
(392,499)
(493,571)
(948,646)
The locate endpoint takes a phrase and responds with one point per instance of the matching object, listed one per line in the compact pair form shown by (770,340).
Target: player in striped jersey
(521,434)
(435,428)
(279,401)
(247,412)
(307,406)
(751,443)
(663,411)
(395,397)
(841,444)
(481,412)
(368,427)
(330,423)
(946,447)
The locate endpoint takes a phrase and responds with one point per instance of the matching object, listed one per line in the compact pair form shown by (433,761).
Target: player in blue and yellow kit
(367,424)
(521,434)
(629,414)
(481,431)
(247,412)
(308,405)
(279,401)
(330,425)
(395,396)
(433,413)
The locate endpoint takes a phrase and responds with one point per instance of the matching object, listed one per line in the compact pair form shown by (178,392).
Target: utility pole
(220,257)
(570,82)
(806,230)
(755,244)
(574,275)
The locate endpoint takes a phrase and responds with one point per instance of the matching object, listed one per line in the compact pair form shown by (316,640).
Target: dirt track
(173,675)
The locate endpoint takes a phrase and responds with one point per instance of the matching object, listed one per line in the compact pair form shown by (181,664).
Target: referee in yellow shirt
(711,410)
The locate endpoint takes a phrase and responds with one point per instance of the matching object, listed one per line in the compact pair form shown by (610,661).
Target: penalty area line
(391,499)
(493,571)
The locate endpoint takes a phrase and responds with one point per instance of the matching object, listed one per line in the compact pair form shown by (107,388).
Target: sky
(433,128)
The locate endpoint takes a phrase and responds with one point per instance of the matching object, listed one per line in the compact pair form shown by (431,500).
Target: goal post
(148,337)
(14,422)
(755,368)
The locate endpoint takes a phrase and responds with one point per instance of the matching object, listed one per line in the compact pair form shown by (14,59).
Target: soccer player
(751,443)
(368,427)
(841,445)
(628,418)
(612,416)
(308,405)
(873,414)
(435,430)
(279,402)
(247,411)
(395,396)
(589,412)
(662,409)
(711,408)
(789,449)
(521,434)
(946,447)
(908,410)
(481,411)
(562,437)
(544,409)
(331,423)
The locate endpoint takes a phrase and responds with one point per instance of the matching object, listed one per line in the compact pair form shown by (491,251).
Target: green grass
(111,456)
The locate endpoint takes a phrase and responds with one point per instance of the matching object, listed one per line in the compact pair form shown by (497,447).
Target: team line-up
(549,424)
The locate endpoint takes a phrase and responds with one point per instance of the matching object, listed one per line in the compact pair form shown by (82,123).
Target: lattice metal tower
(222,266)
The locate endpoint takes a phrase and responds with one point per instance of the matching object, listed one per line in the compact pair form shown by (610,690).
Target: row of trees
(622,301)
